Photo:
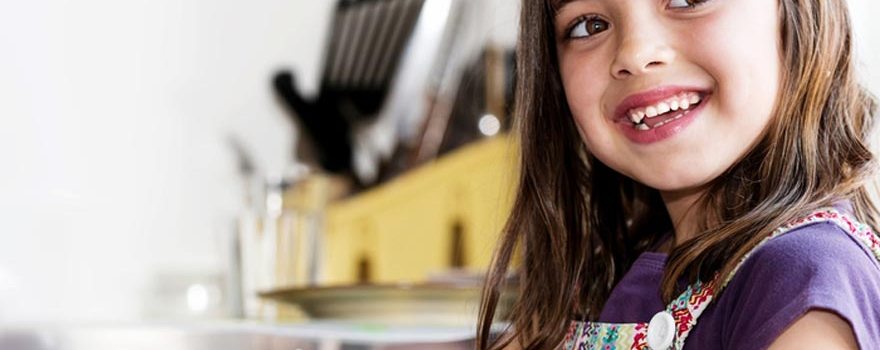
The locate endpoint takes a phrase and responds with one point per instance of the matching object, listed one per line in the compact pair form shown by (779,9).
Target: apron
(669,328)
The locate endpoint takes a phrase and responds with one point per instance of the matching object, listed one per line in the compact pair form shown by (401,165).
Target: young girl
(684,161)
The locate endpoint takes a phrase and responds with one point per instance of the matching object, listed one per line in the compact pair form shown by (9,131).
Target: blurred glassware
(281,239)
(183,295)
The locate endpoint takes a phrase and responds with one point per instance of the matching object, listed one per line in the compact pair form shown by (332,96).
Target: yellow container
(442,216)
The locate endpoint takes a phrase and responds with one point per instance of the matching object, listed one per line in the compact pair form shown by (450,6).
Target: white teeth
(643,127)
(685,103)
(681,101)
(635,117)
(662,108)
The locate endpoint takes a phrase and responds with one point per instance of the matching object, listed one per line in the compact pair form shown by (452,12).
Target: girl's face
(669,92)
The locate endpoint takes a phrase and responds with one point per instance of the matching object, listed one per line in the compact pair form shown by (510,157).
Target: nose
(642,48)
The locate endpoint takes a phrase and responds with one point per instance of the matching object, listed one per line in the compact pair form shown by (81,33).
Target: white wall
(867,32)
(113,123)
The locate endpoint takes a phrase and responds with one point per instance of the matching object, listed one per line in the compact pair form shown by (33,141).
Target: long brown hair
(577,226)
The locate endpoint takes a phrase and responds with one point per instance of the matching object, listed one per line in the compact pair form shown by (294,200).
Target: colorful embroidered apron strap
(611,336)
(671,327)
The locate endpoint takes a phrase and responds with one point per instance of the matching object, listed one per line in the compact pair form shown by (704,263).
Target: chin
(676,182)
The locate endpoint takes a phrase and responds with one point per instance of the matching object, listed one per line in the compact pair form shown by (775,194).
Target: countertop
(229,335)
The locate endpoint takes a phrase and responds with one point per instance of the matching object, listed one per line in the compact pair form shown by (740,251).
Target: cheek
(585,87)
(594,129)
(586,80)
(746,66)
(585,75)
(602,140)
(583,92)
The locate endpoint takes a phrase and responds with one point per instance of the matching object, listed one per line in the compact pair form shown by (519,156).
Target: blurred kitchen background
(171,160)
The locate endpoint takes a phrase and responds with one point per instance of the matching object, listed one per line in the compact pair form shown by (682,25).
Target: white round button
(661,331)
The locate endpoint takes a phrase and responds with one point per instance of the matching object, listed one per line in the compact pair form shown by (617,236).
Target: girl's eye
(678,4)
(586,26)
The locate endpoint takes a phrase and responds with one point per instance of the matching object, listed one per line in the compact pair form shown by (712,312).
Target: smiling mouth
(663,112)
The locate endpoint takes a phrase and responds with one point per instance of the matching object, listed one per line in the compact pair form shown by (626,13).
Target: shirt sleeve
(816,267)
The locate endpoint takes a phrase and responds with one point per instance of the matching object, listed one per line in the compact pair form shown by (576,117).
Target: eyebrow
(557,5)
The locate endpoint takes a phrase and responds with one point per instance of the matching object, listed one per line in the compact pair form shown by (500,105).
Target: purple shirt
(815,267)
